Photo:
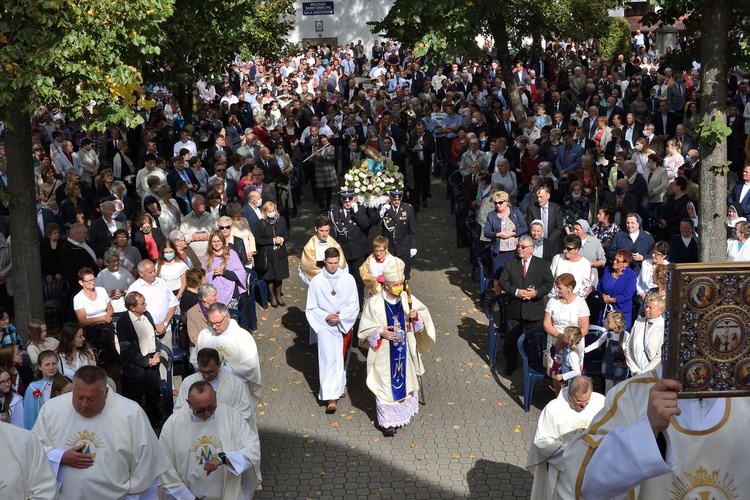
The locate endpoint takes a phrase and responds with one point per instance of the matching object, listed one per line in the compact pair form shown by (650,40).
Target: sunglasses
(225,227)
(500,203)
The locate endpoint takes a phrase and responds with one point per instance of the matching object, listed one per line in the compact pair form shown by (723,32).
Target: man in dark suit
(267,192)
(568,156)
(392,154)
(350,223)
(681,137)
(637,187)
(469,187)
(421,147)
(591,123)
(610,109)
(218,145)
(655,143)
(526,280)
(180,173)
(270,166)
(251,209)
(400,227)
(665,121)
(230,185)
(551,216)
(621,201)
(559,121)
(139,373)
(103,228)
(741,191)
(632,130)
(507,128)
(76,254)
(351,156)
(557,104)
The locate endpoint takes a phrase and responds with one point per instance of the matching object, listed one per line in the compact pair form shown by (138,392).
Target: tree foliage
(203,37)
(83,55)
(616,41)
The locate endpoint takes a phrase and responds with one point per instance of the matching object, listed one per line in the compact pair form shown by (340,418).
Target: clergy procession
(482,299)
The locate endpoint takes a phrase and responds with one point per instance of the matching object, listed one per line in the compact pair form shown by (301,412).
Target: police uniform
(351,230)
(399,225)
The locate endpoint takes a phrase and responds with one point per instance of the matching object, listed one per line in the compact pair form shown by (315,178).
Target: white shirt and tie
(544,211)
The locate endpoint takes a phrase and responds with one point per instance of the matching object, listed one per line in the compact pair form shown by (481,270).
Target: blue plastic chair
(165,385)
(485,275)
(592,361)
(532,345)
(496,325)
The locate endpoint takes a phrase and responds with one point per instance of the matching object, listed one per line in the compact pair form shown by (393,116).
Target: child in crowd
(614,365)
(570,357)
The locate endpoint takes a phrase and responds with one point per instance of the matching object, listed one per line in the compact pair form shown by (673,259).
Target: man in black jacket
(139,357)
(526,280)
(421,147)
(400,227)
(351,225)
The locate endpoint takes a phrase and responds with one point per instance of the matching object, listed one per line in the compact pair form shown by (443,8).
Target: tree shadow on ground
(488,479)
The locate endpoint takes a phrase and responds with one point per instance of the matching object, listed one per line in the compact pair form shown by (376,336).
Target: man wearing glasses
(526,280)
(236,347)
(229,389)
(203,438)
(564,417)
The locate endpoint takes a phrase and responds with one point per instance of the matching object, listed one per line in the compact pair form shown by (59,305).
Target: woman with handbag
(503,227)
(272,260)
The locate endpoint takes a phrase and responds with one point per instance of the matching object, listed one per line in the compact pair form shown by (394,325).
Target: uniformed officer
(351,225)
(400,227)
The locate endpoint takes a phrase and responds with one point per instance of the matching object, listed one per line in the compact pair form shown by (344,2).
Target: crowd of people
(160,237)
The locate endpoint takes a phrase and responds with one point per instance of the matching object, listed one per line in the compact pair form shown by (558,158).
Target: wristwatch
(223,458)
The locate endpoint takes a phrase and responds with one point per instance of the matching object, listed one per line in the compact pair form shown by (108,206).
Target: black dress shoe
(281,302)
(389,432)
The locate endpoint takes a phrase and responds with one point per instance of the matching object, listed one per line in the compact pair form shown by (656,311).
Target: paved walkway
(469,440)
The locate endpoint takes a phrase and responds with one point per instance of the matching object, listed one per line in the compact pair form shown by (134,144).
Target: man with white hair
(161,302)
(561,420)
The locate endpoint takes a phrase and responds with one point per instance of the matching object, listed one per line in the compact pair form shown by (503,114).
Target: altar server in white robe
(236,346)
(561,420)
(646,444)
(25,471)
(398,329)
(331,310)
(100,444)
(230,390)
(213,452)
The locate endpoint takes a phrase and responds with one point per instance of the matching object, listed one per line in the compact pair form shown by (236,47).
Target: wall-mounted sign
(317,8)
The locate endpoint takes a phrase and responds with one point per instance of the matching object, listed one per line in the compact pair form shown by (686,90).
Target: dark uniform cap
(347,195)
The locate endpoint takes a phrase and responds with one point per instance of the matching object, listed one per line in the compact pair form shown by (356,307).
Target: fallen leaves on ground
(500,403)
(414,446)
(336,424)
(517,429)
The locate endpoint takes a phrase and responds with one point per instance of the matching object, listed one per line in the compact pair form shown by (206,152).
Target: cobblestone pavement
(470,440)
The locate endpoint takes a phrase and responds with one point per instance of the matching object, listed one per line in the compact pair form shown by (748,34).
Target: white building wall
(349,22)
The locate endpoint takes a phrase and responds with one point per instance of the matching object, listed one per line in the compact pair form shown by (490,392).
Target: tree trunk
(26,274)
(505,62)
(713,205)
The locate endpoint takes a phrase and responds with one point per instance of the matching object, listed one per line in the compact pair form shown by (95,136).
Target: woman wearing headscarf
(735,214)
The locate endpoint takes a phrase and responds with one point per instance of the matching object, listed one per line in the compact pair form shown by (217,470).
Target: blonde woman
(224,270)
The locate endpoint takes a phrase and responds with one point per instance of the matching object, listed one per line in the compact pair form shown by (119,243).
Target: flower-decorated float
(373,178)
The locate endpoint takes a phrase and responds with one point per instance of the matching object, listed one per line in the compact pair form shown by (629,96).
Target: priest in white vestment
(561,420)
(214,453)
(647,444)
(230,390)
(100,444)
(398,329)
(236,346)
(311,262)
(25,471)
(331,310)
(371,270)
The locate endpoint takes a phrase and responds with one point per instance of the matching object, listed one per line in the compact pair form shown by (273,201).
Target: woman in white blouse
(171,268)
(73,351)
(571,261)
(94,312)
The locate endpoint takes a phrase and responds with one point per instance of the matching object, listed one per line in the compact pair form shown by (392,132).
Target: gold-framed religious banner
(708,329)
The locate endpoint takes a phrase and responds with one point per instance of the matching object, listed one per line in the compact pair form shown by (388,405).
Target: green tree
(203,37)
(83,56)
(616,41)
(444,29)
(723,26)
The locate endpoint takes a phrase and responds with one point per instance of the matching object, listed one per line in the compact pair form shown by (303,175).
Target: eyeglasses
(208,372)
(580,404)
(217,323)
(569,249)
(225,227)
(6,382)
(501,202)
(524,247)
(207,409)
(620,261)
(89,281)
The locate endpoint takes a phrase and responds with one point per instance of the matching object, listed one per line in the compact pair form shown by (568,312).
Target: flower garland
(372,181)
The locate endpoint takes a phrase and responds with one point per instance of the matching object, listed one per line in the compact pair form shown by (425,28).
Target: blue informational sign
(317,8)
